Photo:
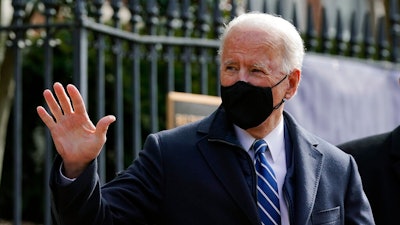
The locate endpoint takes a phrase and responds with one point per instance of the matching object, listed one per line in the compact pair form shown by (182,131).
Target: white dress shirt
(276,157)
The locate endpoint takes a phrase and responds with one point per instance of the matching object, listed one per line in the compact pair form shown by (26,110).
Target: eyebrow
(255,65)
(229,61)
(259,65)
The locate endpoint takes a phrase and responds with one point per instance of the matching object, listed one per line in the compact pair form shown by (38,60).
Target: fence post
(310,36)
(152,22)
(49,12)
(80,42)
(135,9)
(118,96)
(202,26)
(18,44)
(383,45)
(354,46)
(100,83)
(394,14)
(187,51)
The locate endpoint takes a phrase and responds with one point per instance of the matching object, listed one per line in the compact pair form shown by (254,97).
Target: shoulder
(310,143)
(189,129)
(365,143)
(180,135)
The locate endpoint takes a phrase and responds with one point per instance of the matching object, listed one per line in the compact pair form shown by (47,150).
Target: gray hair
(287,36)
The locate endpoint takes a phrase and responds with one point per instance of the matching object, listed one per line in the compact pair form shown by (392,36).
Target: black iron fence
(126,64)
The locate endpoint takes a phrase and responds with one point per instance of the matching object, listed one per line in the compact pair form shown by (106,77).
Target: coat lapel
(222,152)
(308,167)
(224,163)
(308,163)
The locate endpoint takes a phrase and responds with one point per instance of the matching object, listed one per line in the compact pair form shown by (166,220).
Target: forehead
(249,43)
(267,28)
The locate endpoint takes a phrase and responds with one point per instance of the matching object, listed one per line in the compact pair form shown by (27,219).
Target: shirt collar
(275,140)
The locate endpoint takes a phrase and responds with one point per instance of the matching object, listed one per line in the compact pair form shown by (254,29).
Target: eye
(230,68)
(258,72)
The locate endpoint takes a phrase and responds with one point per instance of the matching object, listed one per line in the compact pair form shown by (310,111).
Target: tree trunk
(7,87)
(6,81)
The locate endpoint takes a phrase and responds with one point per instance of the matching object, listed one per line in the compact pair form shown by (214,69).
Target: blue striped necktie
(267,187)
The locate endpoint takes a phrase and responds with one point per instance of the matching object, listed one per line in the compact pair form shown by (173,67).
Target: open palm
(76,138)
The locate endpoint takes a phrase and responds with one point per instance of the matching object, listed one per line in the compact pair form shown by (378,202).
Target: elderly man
(249,162)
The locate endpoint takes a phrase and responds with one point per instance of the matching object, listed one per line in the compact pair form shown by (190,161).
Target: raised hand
(76,138)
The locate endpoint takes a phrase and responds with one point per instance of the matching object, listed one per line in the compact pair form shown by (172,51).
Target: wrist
(72,170)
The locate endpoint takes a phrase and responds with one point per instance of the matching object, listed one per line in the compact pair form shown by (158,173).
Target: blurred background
(126,56)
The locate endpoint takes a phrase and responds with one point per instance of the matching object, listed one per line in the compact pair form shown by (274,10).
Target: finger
(46,117)
(52,104)
(76,98)
(103,124)
(63,98)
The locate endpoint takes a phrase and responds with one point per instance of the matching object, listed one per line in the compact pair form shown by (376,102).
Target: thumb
(103,124)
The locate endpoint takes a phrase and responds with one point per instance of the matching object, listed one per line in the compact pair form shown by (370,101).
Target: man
(204,172)
(378,160)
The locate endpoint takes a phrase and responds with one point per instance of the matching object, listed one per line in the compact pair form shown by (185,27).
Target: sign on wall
(183,108)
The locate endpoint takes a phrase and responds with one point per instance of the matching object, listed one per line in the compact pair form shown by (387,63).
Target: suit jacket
(378,159)
(200,174)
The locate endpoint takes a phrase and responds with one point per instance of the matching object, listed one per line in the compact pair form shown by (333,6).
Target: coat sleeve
(78,202)
(132,197)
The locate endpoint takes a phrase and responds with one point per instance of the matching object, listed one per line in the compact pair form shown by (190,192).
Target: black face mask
(248,106)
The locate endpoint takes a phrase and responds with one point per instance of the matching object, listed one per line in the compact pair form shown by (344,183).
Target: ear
(294,81)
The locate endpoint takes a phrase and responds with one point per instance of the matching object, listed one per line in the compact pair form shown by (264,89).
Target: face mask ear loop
(283,100)
(279,104)
(280,81)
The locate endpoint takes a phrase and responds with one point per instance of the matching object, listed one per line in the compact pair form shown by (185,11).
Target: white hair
(285,34)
